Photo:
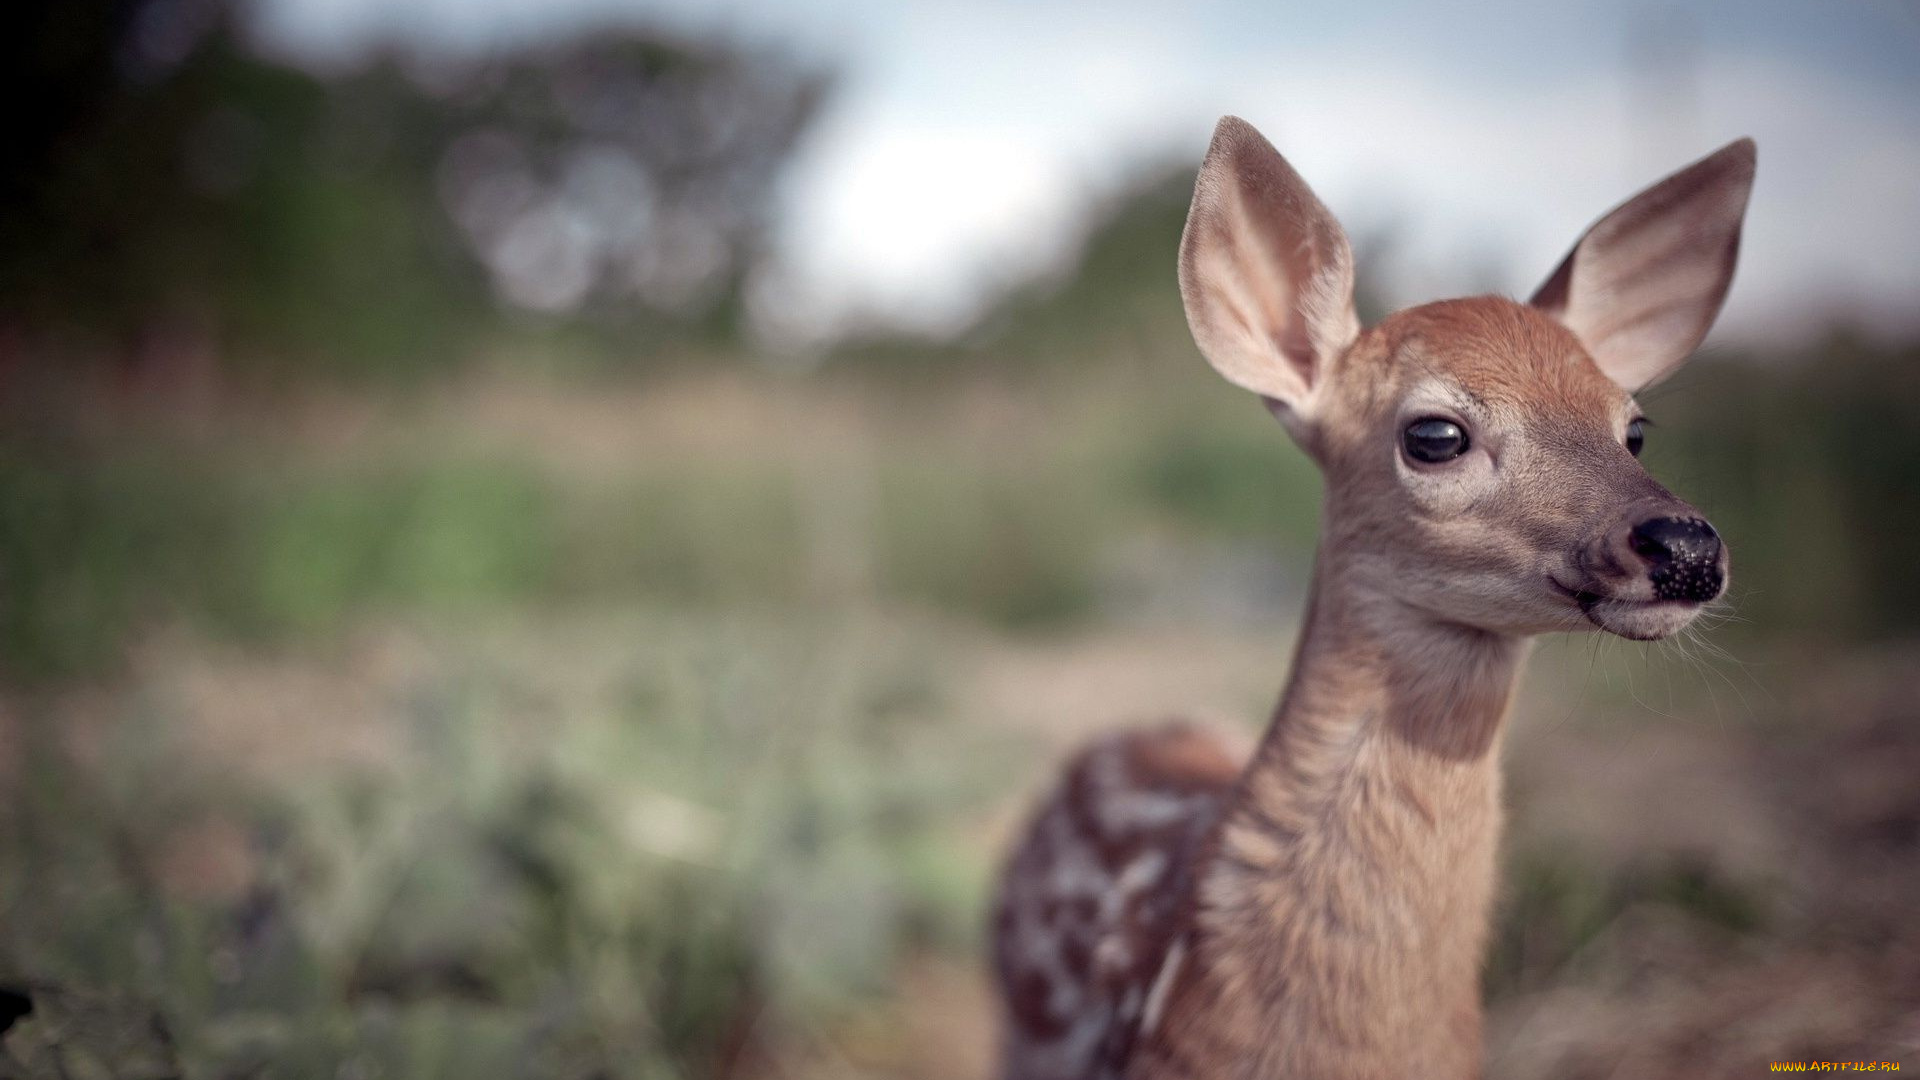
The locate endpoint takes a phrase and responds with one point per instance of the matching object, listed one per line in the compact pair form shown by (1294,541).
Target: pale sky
(967,142)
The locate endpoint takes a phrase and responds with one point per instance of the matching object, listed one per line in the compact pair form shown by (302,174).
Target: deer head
(1480,454)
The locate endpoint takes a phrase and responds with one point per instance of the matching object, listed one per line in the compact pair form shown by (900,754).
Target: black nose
(1683,555)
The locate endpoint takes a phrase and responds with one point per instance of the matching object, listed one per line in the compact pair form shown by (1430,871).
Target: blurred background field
(470,606)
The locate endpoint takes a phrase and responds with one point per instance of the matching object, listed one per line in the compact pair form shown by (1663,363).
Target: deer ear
(1265,272)
(1643,285)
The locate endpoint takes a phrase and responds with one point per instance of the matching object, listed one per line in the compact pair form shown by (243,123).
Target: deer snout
(1683,557)
(1660,550)
(1646,576)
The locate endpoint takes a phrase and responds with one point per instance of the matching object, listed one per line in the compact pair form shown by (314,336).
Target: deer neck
(1342,913)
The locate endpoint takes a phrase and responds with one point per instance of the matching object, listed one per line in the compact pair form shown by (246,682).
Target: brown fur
(1094,894)
(1322,911)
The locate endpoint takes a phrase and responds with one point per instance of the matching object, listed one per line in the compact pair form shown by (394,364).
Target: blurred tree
(173,199)
(1117,296)
(606,171)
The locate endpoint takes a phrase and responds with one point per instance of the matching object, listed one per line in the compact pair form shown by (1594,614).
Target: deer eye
(1636,436)
(1434,440)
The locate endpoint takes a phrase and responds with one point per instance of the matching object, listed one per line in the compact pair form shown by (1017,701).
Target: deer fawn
(1321,910)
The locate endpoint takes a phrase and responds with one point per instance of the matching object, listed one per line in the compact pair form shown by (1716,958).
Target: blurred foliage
(685,872)
(1559,902)
(89,554)
(1119,291)
(104,539)
(174,200)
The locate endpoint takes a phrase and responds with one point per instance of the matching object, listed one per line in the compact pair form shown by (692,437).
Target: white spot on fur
(1163,985)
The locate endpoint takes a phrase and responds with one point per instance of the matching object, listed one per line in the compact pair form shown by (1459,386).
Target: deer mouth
(1639,620)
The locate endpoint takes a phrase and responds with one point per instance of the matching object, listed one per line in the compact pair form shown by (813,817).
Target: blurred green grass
(261,542)
(737,832)
(686,776)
